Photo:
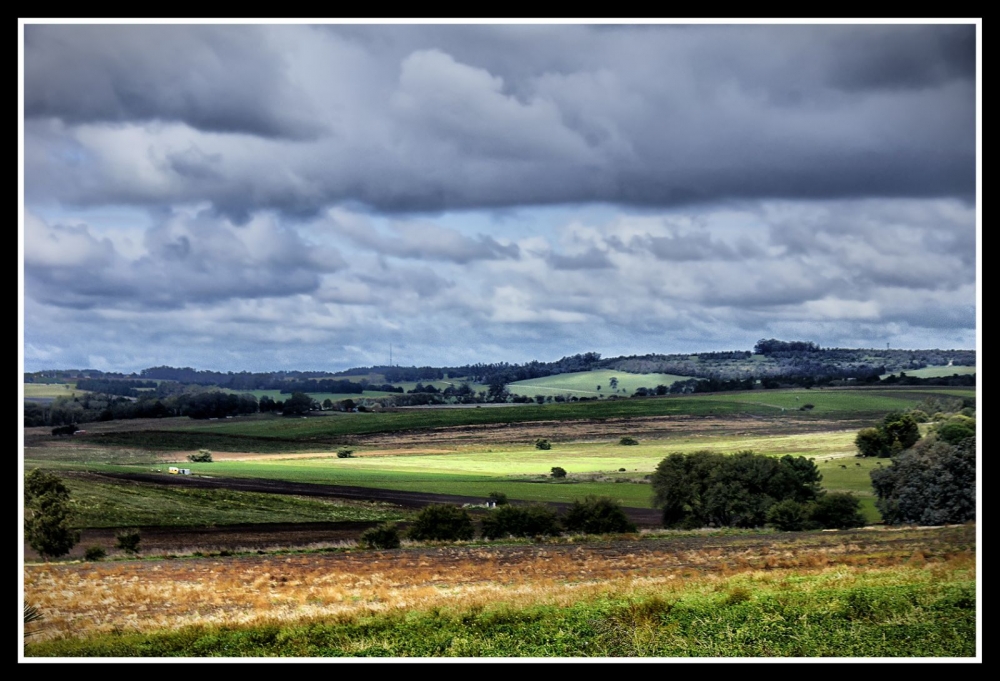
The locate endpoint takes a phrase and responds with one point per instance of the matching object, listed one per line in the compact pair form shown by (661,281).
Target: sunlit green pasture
(585,383)
(936,372)
(51,390)
(524,472)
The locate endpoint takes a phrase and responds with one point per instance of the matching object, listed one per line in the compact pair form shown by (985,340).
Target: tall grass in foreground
(912,609)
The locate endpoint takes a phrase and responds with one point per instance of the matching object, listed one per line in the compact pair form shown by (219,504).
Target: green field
(105,504)
(936,372)
(522,472)
(585,383)
(51,390)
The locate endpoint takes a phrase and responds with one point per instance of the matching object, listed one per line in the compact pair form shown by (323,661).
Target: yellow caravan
(174,469)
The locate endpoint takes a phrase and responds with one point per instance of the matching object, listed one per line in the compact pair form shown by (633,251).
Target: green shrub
(128,541)
(628,441)
(385,536)
(499,498)
(345,453)
(597,515)
(788,516)
(837,510)
(558,472)
(542,443)
(203,456)
(94,553)
(442,522)
(521,521)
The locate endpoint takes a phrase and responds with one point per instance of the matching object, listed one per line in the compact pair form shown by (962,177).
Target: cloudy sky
(260,197)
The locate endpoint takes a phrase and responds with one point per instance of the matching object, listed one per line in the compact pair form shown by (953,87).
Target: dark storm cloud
(213,78)
(433,118)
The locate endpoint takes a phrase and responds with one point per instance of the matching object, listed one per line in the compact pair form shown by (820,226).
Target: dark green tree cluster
(896,433)
(711,489)
(47,515)
(442,522)
(932,484)
(597,515)
(521,521)
(834,510)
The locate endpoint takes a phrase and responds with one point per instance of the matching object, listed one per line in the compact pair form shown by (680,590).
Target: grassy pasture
(105,504)
(50,390)
(522,472)
(584,383)
(937,372)
(827,403)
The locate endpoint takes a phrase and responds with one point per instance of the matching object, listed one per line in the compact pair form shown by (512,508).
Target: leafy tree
(558,472)
(499,498)
(613,382)
(297,404)
(47,515)
(788,516)
(345,453)
(955,431)
(902,427)
(442,522)
(521,521)
(597,515)
(934,484)
(542,443)
(327,404)
(871,442)
(837,510)
(628,441)
(708,488)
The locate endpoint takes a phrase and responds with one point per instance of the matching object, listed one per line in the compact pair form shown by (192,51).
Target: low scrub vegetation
(385,536)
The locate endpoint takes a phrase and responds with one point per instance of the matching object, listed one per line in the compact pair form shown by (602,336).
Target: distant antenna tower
(886,346)
(390,354)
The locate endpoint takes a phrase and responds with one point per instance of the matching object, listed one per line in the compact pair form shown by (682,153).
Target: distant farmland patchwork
(861,593)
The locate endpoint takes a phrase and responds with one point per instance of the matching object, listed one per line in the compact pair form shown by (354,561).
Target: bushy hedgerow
(521,521)
(442,522)
(597,515)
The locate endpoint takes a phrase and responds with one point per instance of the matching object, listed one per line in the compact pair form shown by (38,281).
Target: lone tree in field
(47,515)
(558,472)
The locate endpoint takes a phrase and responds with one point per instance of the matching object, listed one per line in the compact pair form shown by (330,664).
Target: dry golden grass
(81,599)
